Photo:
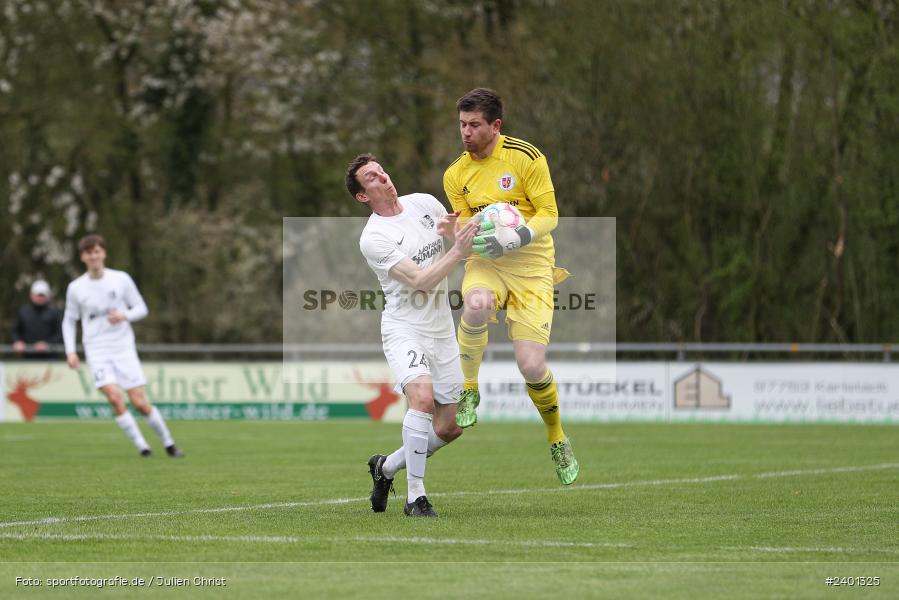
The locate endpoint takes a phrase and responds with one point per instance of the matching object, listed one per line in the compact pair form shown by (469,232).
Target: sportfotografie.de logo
(369,299)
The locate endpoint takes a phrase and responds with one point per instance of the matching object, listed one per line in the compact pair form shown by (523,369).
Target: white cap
(40,287)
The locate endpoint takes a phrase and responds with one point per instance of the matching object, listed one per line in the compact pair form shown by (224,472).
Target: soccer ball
(502,214)
(502,229)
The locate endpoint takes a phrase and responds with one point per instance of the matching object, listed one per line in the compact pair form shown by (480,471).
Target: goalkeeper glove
(493,243)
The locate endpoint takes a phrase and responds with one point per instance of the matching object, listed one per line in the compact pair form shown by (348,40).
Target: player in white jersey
(106,301)
(403,243)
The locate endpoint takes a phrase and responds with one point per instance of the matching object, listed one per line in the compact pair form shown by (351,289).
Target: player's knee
(422,402)
(532,368)
(447,431)
(140,403)
(117,401)
(425,405)
(479,305)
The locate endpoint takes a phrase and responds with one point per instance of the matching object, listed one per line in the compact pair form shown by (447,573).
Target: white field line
(263,539)
(653,482)
(173,513)
(531,543)
(832,550)
(337,501)
(74,537)
(826,471)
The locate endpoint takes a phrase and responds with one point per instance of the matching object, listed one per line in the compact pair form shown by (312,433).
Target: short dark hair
(352,184)
(89,241)
(482,100)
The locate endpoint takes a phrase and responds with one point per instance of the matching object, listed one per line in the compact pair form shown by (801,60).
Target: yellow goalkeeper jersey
(516,172)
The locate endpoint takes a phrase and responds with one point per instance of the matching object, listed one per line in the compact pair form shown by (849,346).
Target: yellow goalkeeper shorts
(528,300)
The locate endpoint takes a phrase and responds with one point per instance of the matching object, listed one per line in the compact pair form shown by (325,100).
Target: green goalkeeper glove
(494,243)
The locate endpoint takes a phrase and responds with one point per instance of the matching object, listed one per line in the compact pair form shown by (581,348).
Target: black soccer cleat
(146,453)
(420,508)
(174,451)
(381,486)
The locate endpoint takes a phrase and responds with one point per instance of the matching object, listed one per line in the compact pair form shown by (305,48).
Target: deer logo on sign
(20,393)
(386,396)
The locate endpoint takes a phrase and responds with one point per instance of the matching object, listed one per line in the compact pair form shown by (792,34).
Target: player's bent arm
(494,243)
(547,216)
(137,308)
(539,188)
(137,312)
(409,273)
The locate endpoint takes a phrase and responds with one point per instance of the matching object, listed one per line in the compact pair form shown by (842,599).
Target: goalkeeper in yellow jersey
(515,274)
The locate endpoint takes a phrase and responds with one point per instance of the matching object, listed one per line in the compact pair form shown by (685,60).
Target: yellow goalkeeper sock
(472,341)
(545,396)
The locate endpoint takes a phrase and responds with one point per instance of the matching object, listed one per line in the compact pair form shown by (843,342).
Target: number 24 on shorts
(417,361)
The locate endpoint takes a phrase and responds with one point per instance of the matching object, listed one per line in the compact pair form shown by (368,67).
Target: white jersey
(385,241)
(91,300)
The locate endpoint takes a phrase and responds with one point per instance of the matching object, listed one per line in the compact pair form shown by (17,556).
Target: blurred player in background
(107,301)
(518,276)
(403,243)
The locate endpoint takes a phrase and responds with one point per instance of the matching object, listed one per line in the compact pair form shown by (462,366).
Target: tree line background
(749,149)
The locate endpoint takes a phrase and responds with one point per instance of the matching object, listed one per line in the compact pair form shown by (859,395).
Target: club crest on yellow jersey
(506,182)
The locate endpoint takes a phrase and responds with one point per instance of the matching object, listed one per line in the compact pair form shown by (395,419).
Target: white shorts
(412,355)
(122,368)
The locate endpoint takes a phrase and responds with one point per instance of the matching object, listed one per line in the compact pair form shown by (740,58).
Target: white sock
(129,426)
(397,461)
(155,420)
(394,463)
(435,442)
(416,425)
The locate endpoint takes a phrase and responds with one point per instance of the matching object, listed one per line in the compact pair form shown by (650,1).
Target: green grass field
(281,510)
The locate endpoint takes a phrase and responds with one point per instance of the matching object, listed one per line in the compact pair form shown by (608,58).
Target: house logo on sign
(699,389)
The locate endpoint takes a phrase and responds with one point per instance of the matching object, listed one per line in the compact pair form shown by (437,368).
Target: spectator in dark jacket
(38,324)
